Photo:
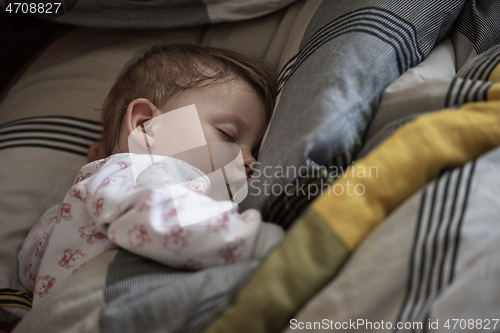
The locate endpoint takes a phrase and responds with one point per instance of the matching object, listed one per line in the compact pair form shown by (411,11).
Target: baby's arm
(33,249)
(155,233)
(147,221)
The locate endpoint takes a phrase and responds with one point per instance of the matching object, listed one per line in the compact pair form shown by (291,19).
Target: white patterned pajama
(107,207)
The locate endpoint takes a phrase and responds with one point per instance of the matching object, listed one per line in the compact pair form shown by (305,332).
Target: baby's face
(229,112)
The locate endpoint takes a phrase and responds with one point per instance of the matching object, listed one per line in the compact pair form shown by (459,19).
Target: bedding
(445,267)
(446,263)
(321,240)
(321,267)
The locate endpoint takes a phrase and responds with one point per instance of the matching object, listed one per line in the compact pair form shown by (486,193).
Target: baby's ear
(96,152)
(139,112)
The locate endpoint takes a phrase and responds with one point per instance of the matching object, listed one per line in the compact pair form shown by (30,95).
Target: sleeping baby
(111,205)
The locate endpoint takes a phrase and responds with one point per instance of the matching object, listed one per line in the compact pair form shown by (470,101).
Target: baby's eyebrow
(233,123)
(240,122)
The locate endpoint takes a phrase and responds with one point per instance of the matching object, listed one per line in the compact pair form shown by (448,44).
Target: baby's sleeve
(34,248)
(150,227)
(188,232)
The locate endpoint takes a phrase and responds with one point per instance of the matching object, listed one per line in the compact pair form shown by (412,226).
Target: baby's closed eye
(226,135)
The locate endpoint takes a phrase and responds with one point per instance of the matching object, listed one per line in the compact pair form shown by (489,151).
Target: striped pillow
(39,159)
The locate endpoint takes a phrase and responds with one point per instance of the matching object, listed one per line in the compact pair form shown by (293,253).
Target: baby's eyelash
(226,135)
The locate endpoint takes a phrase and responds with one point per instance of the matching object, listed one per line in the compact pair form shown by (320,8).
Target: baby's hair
(165,70)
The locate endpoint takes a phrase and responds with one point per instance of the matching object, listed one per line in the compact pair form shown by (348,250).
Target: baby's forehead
(218,92)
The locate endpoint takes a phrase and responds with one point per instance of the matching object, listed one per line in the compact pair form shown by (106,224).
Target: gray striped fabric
(351,51)
(480,67)
(460,91)
(478,21)
(136,14)
(464,91)
(39,158)
(436,242)
(144,296)
(160,14)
